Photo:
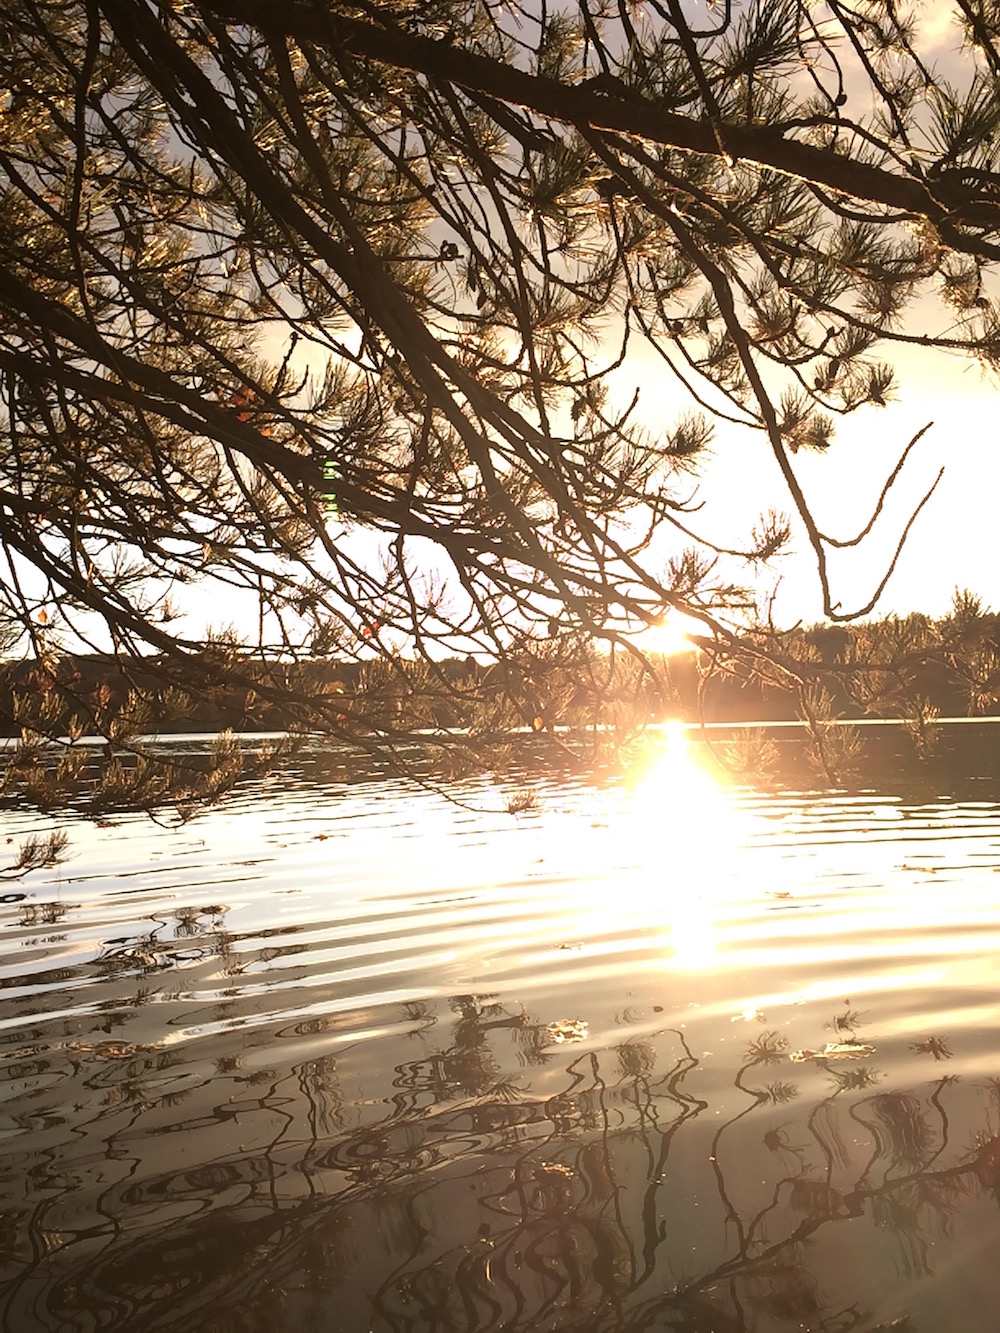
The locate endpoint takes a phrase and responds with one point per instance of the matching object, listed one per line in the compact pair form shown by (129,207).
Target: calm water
(661,1053)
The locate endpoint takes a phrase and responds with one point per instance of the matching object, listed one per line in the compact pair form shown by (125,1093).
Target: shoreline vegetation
(913,669)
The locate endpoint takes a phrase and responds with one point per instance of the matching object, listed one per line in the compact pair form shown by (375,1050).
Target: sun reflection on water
(687,839)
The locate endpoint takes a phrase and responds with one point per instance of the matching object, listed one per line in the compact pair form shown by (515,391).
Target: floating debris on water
(936,1046)
(835,1050)
(749,1015)
(566,1030)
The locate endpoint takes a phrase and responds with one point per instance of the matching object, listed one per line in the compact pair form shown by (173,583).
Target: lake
(659,1051)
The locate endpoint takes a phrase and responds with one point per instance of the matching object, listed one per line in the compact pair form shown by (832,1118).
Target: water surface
(662,1052)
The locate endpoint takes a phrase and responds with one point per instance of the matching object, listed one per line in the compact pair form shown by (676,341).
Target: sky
(953,542)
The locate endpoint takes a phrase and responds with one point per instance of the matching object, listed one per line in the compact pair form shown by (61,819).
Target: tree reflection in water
(504,1180)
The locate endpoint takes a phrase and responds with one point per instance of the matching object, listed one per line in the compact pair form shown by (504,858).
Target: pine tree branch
(584,106)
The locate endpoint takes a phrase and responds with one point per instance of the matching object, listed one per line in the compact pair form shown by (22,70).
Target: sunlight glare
(671,635)
(685,834)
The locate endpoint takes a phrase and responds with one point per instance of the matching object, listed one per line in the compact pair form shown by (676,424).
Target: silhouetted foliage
(277,281)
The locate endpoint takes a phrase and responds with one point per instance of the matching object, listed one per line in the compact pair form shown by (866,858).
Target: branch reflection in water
(642,1149)
(614,1188)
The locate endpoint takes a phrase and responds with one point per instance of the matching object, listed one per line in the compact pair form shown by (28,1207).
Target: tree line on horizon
(914,669)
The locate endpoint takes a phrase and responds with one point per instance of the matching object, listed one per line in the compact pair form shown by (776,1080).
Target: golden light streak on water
(688,837)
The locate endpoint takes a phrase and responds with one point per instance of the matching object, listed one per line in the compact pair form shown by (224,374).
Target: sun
(671,635)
